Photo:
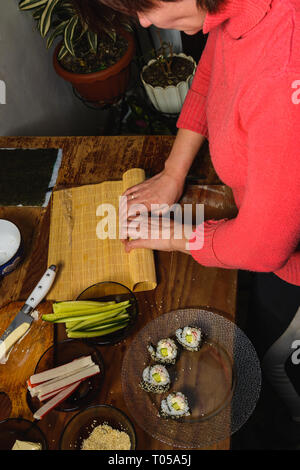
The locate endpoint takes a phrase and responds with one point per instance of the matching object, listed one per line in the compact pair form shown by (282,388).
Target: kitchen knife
(23,320)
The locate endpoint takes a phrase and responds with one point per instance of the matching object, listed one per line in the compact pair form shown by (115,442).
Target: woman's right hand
(163,189)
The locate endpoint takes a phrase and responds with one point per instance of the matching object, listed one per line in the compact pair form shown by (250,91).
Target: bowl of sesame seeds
(99,427)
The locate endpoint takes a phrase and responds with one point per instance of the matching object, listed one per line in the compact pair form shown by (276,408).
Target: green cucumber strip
(53,317)
(103,327)
(93,316)
(96,308)
(90,323)
(71,324)
(93,334)
(71,306)
(100,318)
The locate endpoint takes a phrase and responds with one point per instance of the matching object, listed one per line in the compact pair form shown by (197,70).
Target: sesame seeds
(104,437)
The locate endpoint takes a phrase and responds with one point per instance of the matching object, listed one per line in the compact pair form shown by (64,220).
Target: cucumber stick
(93,334)
(107,319)
(97,322)
(72,306)
(87,310)
(98,325)
(84,319)
(63,317)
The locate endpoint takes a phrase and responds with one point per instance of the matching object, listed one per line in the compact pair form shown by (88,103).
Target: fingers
(132,189)
(133,206)
(133,244)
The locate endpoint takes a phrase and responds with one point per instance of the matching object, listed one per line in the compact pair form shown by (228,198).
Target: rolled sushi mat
(84,259)
(222,381)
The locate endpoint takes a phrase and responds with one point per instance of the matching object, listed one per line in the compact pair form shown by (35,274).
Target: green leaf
(30,4)
(112,34)
(83,31)
(38,13)
(62,52)
(69,34)
(127,26)
(47,17)
(93,40)
(58,31)
(68,5)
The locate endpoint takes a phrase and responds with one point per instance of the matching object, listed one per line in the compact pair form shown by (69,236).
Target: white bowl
(10,246)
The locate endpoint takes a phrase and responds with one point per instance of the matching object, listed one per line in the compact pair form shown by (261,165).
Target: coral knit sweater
(245,98)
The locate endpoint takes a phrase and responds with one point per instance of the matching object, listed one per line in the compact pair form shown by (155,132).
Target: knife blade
(23,320)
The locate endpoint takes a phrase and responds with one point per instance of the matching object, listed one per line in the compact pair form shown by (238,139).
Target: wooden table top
(182,283)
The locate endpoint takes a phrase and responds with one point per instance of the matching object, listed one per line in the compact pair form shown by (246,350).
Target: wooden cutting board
(23,357)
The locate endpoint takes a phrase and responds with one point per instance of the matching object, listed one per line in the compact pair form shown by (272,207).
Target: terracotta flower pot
(105,86)
(169,99)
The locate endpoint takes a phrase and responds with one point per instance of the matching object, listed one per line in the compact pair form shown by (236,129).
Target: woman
(245,100)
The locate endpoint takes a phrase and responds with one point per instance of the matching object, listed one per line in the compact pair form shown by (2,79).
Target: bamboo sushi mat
(82,258)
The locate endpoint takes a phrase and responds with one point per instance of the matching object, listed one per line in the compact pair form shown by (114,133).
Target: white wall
(38,102)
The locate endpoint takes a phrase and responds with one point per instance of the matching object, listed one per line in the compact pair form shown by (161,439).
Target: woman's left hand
(156,233)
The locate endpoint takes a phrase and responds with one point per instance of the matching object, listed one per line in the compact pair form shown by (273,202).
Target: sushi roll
(155,379)
(165,351)
(175,406)
(190,338)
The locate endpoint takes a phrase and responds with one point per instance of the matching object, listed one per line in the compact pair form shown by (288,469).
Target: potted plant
(96,64)
(167,78)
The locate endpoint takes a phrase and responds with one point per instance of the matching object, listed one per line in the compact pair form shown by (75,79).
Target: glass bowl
(62,353)
(106,291)
(82,424)
(13,429)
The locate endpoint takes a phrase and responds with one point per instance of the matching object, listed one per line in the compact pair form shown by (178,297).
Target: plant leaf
(127,26)
(38,13)
(62,52)
(30,4)
(112,34)
(47,17)
(93,40)
(58,31)
(69,34)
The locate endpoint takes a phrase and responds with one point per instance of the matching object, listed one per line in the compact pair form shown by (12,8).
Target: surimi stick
(56,372)
(51,394)
(38,388)
(46,388)
(39,414)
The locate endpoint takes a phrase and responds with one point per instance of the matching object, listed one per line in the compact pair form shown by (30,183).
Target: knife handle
(14,336)
(42,288)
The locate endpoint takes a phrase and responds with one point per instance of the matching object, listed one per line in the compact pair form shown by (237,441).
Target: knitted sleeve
(265,233)
(193,113)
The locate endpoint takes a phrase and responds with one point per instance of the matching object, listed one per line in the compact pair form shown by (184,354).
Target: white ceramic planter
(169,100)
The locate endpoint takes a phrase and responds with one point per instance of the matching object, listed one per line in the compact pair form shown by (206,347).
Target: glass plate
(212,379)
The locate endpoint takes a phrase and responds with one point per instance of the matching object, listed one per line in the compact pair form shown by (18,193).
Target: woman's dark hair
(93,11)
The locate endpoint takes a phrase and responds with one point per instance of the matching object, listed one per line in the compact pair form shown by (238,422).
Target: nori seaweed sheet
(25,175)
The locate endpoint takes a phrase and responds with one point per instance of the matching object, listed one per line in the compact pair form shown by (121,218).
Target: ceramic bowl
(11,251)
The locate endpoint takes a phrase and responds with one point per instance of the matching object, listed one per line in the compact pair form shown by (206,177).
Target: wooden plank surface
(182,283)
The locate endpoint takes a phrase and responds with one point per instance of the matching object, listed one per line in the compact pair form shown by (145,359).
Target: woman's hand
(163,189)
(156,233)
